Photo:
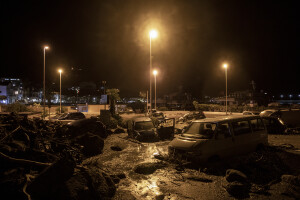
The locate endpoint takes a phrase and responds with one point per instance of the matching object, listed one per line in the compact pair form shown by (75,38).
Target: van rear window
(257,125)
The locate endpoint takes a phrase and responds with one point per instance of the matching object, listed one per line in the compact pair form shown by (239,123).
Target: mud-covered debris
(92,144)
(148,168)
(34,162)
(124,194)
(235,175)
(290,185)
(119,130)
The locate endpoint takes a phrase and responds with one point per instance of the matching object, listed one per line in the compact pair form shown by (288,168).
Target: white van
(214,138)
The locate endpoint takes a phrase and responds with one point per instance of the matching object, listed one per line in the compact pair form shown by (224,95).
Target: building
(11,90)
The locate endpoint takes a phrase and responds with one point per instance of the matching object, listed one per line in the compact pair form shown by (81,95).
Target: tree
(113,97)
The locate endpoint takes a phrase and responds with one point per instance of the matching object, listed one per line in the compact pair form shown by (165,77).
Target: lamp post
(44,80)
(155,73)
(60,71)
(152,34)
(225,66)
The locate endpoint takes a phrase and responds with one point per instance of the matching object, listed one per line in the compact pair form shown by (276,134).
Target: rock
(148,168)
(80,127)
(235,175)
(92,144)
(49,179)
(237,189)
(119,130)
(116,148)
(86,184)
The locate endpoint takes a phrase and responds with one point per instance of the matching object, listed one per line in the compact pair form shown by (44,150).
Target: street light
(152,34)
(60,71)
(225,66)
(44,82)
(155,73)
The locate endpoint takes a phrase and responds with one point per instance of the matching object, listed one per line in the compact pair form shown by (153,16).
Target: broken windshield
(200,130)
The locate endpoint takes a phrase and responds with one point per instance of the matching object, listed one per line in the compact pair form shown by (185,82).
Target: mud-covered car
(159,116)
(72,116)
(192,116)
(274,125)
(142,129)
(214,138)
(251,112)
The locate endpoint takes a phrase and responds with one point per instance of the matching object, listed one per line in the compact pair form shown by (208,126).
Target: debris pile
(42,160)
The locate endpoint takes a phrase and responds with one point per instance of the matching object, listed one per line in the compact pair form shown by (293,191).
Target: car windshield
(158,115)
(63,115)
(200,130)
(143,125)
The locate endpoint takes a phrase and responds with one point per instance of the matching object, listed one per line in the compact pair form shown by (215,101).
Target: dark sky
(109,41)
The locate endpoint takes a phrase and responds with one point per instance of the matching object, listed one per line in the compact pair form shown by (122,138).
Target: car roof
(142,119)
(227,118)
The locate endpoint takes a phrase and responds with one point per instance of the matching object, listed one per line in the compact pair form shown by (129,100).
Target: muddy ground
(160,178)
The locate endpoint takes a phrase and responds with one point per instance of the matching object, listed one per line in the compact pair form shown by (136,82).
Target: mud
(176,180)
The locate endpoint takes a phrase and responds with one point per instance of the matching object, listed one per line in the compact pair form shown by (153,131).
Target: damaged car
(192,116)
(143,129)
(214,138)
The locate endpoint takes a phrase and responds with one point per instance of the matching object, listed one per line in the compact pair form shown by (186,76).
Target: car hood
(186,143)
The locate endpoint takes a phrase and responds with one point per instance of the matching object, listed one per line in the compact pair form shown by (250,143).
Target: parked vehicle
(274,125)
(287,121)
(192,116)
(212,138)
(72,116)
(251,113)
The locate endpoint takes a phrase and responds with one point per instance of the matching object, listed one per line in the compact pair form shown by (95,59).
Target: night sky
(109,40)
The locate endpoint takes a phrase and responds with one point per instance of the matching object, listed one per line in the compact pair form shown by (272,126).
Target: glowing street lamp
(44,80)
(60,71)
(155,73)
(225,66)
(152,34)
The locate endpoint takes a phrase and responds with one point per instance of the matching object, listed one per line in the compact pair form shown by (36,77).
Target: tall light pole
(60,71)
(44,82)
(225,66)
(152,34)
(155,73)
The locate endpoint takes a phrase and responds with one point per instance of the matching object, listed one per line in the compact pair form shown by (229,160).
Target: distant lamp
(225,65)
(153,34)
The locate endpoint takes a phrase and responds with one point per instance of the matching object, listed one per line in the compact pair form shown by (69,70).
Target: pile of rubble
(42,160)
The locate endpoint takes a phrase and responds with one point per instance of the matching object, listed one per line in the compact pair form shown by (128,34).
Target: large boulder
(82,126)
(92,144)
